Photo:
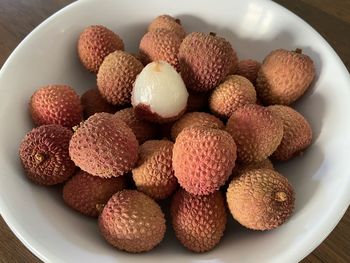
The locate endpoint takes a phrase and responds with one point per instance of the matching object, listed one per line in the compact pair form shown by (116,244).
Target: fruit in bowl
(202,157)
(260,143)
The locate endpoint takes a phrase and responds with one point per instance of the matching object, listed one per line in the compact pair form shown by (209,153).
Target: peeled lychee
(160,45)
(95,43)
(256,131)
(159,93)
(198,221)
(143,130)
(205,60)
(88,194)
(168,23)
(260,199)
(116,77)
(233,93)
(104,146)
(284,77)
(154,173)
(203,159)
(297,133)
(195,119)
(93,102)
(132,221)
(44,154)
(249,69)
(56,104)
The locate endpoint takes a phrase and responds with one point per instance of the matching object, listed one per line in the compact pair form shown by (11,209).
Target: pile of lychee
(182,119)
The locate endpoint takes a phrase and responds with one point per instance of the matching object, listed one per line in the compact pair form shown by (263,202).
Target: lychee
(104,146)
(44,154)
(56,104)
(88,194)
(150,95)
(95,43)
(132,221)
(154,173)
(203,159)
(116,77)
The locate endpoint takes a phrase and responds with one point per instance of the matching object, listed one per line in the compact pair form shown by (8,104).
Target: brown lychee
(198,221)
(132,221)
(284,76)
(260,199)
(203,159)
(104,146)
(56,104)
(256,131)
(205,60)
(233,93)
(93,102)
(249,69)
(297,133)
(195,119)
(95,43)
(143,130)
(160,45)
(169,23)
(154,174)
(88,194)
(44,154)
(116,77)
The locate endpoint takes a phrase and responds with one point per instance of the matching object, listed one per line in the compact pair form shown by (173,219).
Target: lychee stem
(76,127)
(212,34)
(280,196)
(178,21)
(39,157)
(299,51)
(100,207)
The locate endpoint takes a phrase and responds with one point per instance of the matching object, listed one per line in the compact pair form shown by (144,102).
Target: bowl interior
(321,178)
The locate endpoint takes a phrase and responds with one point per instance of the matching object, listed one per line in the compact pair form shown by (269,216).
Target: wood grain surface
(331,18)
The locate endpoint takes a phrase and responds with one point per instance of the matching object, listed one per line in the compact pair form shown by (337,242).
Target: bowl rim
(328,224)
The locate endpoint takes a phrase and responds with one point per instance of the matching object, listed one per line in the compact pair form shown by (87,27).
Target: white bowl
(321,177)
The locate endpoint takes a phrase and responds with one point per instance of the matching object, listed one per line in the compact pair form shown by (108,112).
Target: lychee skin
(132,221)
(249,69)
(56,104)
(256,131)
(116,77)
(93,102)
(95,43)
(143,130)
(235,92)
(205,60)
(192,119)
(284,76)
(203,159)
(154,174)
(198,221)
(260,199)
(169,23)
(160,45)
(44,154)
(87,193)
(297,132)
(104,146)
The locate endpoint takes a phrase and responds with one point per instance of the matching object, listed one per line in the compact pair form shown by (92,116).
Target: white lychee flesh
(160,87)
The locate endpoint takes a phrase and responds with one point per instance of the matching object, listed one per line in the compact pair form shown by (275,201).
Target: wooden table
(330,17)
